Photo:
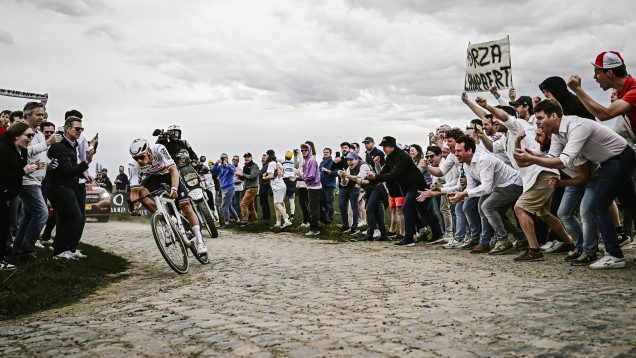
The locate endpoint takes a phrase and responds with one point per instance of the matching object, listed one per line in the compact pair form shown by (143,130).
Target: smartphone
(337,154)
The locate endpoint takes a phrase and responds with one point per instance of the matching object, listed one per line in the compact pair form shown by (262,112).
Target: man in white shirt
(496,184)
(572,136)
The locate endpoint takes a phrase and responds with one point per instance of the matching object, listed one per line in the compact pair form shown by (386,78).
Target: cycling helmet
(183,154)
(139,146)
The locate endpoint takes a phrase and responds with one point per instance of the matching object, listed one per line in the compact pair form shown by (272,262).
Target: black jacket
(68,171)
(11,167)
(571,104)
(400,169)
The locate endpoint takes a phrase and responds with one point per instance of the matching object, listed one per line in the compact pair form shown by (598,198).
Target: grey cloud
(74,8)
(6,38)
(105,30)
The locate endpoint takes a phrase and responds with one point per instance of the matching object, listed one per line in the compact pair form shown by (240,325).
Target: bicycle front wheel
(171,247)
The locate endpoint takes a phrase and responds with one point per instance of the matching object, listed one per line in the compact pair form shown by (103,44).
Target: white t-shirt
(277,182)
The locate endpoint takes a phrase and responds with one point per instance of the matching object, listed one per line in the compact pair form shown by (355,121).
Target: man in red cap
(609,72)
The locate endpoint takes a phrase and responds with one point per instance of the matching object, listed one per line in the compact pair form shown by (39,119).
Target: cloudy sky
(252,75)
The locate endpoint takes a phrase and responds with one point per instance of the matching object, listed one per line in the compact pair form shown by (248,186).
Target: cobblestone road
(282,295)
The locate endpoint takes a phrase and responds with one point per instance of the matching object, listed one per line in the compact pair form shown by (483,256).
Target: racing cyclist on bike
(155,162)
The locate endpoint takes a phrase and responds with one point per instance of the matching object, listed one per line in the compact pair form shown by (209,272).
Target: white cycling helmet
(139,146)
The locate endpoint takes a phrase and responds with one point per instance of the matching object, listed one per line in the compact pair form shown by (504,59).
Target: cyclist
(175,144)
(154,161)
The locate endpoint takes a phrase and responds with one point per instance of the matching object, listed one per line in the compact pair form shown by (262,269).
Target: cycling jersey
(160,163)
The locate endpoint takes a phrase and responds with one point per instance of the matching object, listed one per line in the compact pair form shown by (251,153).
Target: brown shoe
(480,249)
(530,255)
(469,245)
(501,247)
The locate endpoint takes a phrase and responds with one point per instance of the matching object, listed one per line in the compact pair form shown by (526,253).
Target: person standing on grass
(274,174)
(311,176)
(13,166)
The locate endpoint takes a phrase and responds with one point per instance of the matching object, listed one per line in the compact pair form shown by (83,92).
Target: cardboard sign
(487,65)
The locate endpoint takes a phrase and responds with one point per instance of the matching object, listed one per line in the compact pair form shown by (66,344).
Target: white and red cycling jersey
(160,163)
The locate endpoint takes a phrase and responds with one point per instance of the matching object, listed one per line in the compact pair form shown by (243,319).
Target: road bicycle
(171,231)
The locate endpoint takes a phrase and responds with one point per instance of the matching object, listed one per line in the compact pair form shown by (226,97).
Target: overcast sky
(252,75)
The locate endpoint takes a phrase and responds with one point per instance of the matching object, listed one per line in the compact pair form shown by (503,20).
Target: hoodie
(571,104)
(226,175)
(311,173)
(11,168)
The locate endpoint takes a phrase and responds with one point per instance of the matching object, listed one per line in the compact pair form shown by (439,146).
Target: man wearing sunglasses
(34,211)
(61,187)
(155,162)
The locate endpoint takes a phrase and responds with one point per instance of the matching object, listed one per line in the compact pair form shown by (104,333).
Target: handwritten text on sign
(487,65)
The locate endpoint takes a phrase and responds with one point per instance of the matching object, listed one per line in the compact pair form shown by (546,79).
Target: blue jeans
(614,180)
(472,218)
(375,211)
(590,242)
(68,228)
(328,195)
(236,202)
(411,208)
(568,209)
(226,205)
(459,220)
(486,229)
(32,219)
(349,195)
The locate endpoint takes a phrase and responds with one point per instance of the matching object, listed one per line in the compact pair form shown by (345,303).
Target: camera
(163,136)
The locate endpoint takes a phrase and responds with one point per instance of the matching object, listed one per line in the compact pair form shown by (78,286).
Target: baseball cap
(368,139)
(288,155)
(352,155)
(388,141)
(608,59)
(248,154)
(523,101)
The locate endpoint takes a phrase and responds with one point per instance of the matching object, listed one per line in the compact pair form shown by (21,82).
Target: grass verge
(44,283)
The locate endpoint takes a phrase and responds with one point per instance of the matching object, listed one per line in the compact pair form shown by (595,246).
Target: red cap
(608,59)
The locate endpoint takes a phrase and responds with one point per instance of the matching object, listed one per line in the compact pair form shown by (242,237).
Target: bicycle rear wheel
(171,247)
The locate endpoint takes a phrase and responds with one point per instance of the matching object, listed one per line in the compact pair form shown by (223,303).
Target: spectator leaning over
(34,211)
(226,179)
(13,166)
(328,181)
(238,188)
(249,175)
(400,169)
(122,184)
(288,171)
(311,176)
(572,136)
(555,87)
(537,192)
(62,190)
(274,174)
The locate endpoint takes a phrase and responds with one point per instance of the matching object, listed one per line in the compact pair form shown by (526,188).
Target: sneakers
(352,232)
(304,225)
(405,242)
(344,229)
(480,249)
(38,244)
(442,240)
(5,266)
(624,240)
(454,244)
(520,244)
(584,260)
(201,249)
(562,249)
(376,234)
(277,226)
(556,245)
(572,255)
(548,245)
(362,223)
(66,255)
(609,262)
(78,254)
(312,233)
(530,255)
(391,234)
(286,224)
(469,245)
(501,248)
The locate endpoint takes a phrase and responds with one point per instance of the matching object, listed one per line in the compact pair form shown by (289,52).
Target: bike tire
(209,220)
(170,245)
